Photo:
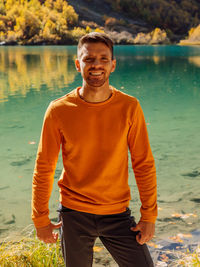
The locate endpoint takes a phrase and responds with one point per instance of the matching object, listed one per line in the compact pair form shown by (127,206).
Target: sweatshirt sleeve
(46,160)
(143,166)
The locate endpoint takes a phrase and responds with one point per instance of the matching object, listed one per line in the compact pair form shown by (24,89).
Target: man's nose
(96,62)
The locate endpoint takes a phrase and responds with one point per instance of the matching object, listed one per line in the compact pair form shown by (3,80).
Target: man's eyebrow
(104,55)
(91,55)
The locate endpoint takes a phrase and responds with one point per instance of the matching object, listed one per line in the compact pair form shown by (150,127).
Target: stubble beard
(95,82)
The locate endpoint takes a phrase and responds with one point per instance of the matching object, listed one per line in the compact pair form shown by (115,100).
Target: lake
(166,80)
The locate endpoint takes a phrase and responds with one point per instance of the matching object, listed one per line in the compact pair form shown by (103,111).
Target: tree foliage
(34,21)
(176,15)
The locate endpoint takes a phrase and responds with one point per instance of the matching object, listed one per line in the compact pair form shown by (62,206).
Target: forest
(59,22)
(35,22)
(176,16)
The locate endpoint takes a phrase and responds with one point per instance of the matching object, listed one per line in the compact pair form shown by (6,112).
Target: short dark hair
(96,37)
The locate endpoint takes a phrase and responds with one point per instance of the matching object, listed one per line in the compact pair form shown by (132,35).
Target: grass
(29,251)
(189,259)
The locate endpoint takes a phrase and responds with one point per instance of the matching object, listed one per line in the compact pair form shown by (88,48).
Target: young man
(96,125)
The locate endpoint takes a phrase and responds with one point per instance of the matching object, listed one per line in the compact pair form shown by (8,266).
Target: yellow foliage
(191,31)
(49,4)
(78,32)
(99,30)
(31,19)
(59,4)
(88,29)
(20,23)
(49,28)
(10,3)
(28,23)
(11,35)
(2,8)
(14,12)
(2,25)
(110,21)
(2,36)
(194,37)
(34,5)
(69,14)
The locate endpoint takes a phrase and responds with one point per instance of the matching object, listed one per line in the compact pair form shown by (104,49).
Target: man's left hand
(146,231)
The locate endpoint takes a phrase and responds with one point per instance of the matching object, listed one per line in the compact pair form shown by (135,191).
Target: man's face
(95,64)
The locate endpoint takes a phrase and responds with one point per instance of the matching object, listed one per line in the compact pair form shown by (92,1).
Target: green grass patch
(29,251)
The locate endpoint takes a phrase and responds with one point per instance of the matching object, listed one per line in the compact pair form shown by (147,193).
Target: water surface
(166,80)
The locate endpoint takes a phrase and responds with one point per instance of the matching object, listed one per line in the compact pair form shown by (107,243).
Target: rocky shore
(173,251)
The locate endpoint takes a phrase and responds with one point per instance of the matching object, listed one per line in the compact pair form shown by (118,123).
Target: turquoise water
(166,80)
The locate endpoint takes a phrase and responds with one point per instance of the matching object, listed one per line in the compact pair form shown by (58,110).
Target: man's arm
(145,174)
(43,177)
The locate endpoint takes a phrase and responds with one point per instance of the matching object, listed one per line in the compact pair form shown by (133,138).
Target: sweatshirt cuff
(41,221)
(149,216)
(149,219)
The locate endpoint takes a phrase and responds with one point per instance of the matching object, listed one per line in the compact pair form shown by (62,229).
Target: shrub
(77,33)
(24,20)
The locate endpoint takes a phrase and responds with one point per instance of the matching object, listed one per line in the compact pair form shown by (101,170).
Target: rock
(192,174)
(12,221)
(193,38)
(157,36)
(21,162)
(123,37)
(196,200)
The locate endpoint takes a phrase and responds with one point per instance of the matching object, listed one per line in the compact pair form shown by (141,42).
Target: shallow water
(166,80)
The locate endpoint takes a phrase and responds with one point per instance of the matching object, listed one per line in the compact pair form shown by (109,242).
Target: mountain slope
(176,17)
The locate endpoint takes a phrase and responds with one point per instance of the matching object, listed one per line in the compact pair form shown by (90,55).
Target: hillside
(176,17)
(33,22)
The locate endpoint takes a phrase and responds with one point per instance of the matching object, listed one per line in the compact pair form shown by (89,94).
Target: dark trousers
(79,231)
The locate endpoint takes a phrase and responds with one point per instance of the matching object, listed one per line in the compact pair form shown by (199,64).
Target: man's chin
(96,83)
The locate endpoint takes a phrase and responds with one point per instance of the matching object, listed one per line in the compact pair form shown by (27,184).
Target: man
(96,125)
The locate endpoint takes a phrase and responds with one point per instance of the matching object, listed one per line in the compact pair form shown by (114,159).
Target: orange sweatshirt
(95,138)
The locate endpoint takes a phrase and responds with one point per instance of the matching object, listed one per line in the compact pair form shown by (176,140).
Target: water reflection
(156,58)
(23,69)
(167,72)
(195,61)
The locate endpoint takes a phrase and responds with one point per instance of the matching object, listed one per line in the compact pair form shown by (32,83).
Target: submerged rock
(192,174)
(196,200)
(4,187)
(12,221)
(21,162)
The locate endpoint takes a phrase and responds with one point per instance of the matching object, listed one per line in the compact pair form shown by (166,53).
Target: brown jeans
(79,231)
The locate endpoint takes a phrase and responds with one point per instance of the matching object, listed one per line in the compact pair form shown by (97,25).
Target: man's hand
(46,233)
(146,231)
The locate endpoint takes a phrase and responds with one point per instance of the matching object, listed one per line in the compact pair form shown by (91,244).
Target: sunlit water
(166,80)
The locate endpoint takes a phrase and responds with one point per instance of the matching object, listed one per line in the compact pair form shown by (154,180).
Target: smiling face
(95,64)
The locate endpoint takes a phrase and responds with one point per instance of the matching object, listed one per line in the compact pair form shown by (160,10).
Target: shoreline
(182,43)
(169,251)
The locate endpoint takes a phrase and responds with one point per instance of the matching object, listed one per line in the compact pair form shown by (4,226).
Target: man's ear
(113,65)
(77,64)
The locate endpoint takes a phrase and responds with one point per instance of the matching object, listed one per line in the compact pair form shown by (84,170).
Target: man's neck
(95,94)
